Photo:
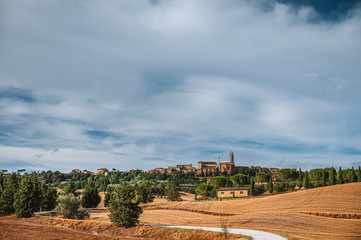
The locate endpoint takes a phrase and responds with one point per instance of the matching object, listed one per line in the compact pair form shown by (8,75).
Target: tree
(7,192)
(316,174)
(353,177)
(70,188)
(206,190)
(218,182)
(339,176)
(262,177)
(332,178)
(300,175)
(123,206)
(270,185)
(251,185)
(324,177)
(144,192)
(28,197)
(359,174)
(171,191)
(239,179)
(49,197)
(90,195)
(306,180)
(68,206)
(287,174)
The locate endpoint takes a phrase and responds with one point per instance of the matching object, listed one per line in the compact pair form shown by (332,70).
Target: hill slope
(332,212)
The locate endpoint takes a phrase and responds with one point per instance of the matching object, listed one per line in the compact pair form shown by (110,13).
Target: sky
(86,84)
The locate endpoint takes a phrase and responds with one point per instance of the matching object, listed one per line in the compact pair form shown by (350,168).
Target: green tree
(353,177)
(251,186)
(144,192)
(70,188)
(287,174)
(90,195)
(206,190)
(306,180)
(300,175)
(316,174)
(28,197)
(239,179)
(324,177)
(332,178)
(49,197)
(218,182)
(7,193)
(171,191)
(262,177)
(359,174)
(270,185)
(123,206)
(68,206)
(339,176)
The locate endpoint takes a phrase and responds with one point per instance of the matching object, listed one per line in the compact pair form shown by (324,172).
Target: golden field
(332,212)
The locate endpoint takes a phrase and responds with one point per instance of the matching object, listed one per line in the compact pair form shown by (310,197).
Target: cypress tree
(270,185)
(28,197)
(332,176)
(7,193)
(305,180)
(359,174)
(300,175)
(339,176)
(251,186)
(123,207)
(323,177)
(353,175)
(49,197)
(90,195)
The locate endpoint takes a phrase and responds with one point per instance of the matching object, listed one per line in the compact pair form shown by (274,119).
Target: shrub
(279,187)
(68,206)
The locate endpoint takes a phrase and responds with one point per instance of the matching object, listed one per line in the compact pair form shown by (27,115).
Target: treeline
(287,179)
(24,195)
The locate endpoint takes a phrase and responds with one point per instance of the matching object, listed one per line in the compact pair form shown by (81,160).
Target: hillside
(332,212)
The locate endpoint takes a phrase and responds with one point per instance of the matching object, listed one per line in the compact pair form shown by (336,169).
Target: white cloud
(176,80)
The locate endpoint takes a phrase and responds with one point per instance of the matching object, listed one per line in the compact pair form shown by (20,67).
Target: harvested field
(50,228)
(323,213)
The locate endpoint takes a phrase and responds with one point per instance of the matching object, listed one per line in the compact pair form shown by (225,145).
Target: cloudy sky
(143,84)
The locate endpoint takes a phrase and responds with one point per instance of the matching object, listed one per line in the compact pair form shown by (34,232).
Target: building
(233,192)
(161,170)
(88,172)
(231,157)
(227,167)
(206,167)
(101,171)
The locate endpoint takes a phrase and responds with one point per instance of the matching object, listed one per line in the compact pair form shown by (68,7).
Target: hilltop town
(212,168)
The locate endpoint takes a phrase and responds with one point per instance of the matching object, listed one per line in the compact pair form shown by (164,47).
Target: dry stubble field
(324,213)
(332,212)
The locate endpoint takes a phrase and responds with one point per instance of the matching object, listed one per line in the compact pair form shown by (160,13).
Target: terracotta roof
(233,188)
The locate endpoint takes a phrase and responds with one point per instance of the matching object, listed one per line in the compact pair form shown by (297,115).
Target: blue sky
(145,84)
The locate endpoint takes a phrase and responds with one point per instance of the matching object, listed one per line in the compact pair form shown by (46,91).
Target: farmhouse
(233,192)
